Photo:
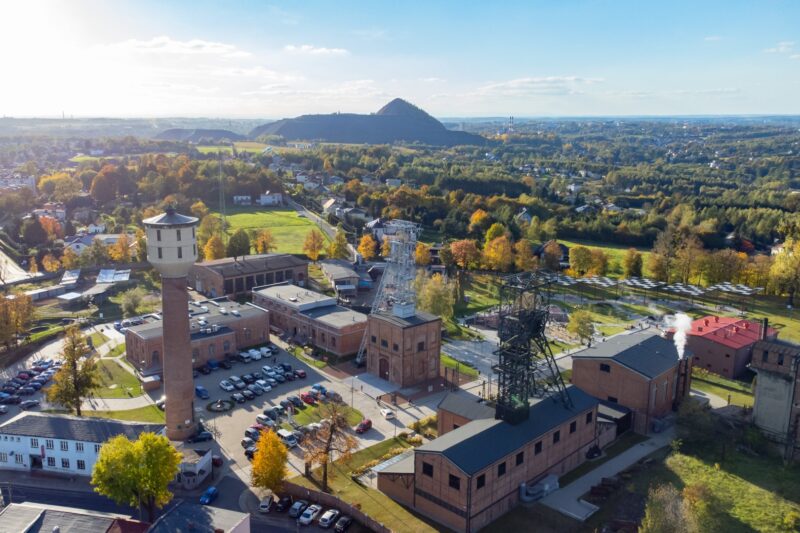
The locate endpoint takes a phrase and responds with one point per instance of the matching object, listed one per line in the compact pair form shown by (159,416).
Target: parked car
(255,389)
(252,433)
(328,518)
(388,414)
(205,370)
(255,355)
(249,452)
(203,436)
(279,378)
(319,387)
(289,376)
(35,385)
(296,401)
(226,385)
(280,410)
(226,364)
(269,412)
(247,442)
(307,398)
(271,381)
(248,378)
(209,496)
(238,397)
(244,357)
(285,403)
(26,391)
(265,420)
(247,393)
(266,387)
(267,504)
(237,382)
(297,508)
(283,503)
(342,524)
(309,514)
(3,409)
(287,368)
(29,404)
(201,392)
(300,373)
(213,364)
(11,400)
(364,426)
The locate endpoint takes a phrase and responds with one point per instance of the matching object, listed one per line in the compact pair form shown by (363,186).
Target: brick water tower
(172,250)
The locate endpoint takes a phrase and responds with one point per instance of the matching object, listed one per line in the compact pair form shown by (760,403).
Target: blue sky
(272,60)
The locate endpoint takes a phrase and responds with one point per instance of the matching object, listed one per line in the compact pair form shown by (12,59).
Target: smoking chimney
(764,328)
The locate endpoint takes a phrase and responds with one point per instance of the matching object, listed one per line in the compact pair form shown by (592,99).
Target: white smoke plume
(682,325)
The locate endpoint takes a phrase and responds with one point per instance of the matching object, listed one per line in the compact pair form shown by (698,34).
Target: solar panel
(106,276)
(122,275)
(70,276)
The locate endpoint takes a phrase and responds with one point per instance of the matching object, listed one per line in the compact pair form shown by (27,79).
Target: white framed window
(96,448)
(64,463)
(79,447)
(51,461)
(3,457)
(48,444)
(34,443)
(81,464)
(18,458)
(64,446)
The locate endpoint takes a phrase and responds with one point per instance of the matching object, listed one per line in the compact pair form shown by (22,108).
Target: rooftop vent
(292,299)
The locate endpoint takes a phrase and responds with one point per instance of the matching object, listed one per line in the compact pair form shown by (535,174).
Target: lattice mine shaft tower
(396,290)
(526,368)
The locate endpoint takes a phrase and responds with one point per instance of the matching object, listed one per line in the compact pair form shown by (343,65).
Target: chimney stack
(764,328)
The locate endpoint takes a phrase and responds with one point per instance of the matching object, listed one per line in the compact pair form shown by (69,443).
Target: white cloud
(783,47)
(712,38)
(537,86)
(168,45)
(308,49)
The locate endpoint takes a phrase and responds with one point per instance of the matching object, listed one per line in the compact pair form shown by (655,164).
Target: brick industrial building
(776,410)
(472,474)
(238,276)
(404,349)
(640,371)
(310,317)
(217,328)
(724,345)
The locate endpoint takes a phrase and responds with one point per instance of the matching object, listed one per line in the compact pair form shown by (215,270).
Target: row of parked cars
(27,382)
(248,386)
(306,514)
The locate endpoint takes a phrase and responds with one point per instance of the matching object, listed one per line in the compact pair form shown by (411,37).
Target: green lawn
(116,351)
(300,353)
(148,413)
(241,146)
(739,392)
(98,339)
(374,503)
(116,382)
(449,362)
(615,252)
(480,294)
(312,413)
(287,227)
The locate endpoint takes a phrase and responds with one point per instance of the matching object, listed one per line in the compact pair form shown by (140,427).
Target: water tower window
(179,234)
(158,234)
(159,252)
(192,233)
(180,250)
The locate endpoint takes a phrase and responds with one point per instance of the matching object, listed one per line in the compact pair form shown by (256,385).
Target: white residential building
(270,198)
(60,443)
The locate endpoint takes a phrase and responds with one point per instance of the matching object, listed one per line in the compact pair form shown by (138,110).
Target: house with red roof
(724,345)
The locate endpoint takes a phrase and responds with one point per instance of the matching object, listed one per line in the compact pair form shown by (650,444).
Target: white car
(264,385)
(255,355)
(264,420)
(309,514)
(226,385)
(266,351)
(328,518)
(388,414)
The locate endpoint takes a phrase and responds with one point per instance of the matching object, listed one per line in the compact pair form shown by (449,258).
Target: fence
(328,500)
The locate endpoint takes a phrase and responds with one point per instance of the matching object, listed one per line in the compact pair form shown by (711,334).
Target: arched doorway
(383,368)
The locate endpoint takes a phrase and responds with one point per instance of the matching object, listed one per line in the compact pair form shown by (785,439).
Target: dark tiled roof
(252,264)
(467,405)
(35,519)
(645,352)
(67,427)
(420,317)
(170,218)
(476,445)
(188,517)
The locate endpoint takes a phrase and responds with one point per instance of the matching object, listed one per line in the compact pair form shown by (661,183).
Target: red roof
(732,332)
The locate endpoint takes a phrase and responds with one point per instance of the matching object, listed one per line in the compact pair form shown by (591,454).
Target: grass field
(312,413)
(615,254)
(116,382)
(740,393)
(374,503)
(449,362)
(287,227)
(116,351)
(149,413)
(241,146)
(98,339)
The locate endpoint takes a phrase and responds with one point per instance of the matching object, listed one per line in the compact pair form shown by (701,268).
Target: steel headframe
(397,280)
(526,366)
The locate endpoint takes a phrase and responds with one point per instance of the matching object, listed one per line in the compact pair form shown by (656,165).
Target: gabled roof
(482,442)
(643,351)
(252,264)
(467,405)
(67,427)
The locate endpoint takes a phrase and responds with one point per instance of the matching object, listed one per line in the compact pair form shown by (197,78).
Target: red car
(306,397)
(364,426)
(300,373)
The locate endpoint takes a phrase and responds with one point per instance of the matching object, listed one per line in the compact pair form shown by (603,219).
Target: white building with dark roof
(61,443)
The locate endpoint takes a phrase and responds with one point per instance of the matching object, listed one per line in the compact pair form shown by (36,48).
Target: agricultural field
(241,146)
(615,254)
(287,226)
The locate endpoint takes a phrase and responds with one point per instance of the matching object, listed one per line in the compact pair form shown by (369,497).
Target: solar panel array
(729,287)
(687,289)
(106,276)
(70,276)
(600,281)
(642,283)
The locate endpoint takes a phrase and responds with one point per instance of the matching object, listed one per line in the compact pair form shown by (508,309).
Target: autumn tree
(70,259)
(265,242)
(50,263)
(338,247)
(96,254)
(658,266)
(478,221)
(785,270)
(632,263)
(495,230)
(209,226)
(422,254)
(580,260)
(666,512)
(131,300)
(581,325)
(386,247)
(120,251)
(137,473)
(141,246)
(238,244)
(524,260)
(465,253)
(551,255)
(367,247)
(61,186)
(33,265)
(313,244)
(599,262)
(104,185)
(199,209)
(214,249)
(16,315)
(269,462)
(498,254)
(52,228)
(435,295)
(78,377)
(333,438)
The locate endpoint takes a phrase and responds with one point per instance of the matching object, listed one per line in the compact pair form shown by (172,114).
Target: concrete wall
(772,408)
(399,346)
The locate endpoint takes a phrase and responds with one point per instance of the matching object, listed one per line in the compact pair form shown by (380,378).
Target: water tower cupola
(171,243)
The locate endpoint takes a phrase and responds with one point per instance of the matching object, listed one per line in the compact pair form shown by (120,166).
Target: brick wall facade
(718,358)
(213,284)
(404,355)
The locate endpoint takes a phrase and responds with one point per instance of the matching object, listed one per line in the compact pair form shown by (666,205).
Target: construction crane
(526,366)
(396,289)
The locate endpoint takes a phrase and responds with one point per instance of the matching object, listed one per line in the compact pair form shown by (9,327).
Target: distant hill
(198,135)
(396,121)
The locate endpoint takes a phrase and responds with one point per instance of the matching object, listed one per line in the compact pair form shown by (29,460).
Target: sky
(256,59)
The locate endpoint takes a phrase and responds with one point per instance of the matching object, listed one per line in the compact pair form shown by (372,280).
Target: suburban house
(271,198)
(341,276)
(243,199)
(563,260)
(235,276)
(639,370)
(79,243)
(724,345)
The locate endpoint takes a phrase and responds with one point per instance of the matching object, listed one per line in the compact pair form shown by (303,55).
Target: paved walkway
(567,499)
